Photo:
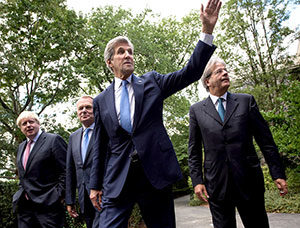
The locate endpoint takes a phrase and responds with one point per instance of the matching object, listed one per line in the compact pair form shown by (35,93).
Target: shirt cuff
(207,38)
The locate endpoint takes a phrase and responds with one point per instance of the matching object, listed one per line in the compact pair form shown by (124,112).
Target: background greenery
(50,56)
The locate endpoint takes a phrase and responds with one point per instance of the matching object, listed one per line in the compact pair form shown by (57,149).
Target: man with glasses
(225,125)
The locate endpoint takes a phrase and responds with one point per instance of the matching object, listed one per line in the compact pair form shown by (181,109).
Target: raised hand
(209,15)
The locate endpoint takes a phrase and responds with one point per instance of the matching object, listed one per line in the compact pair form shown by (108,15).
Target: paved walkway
(199,216)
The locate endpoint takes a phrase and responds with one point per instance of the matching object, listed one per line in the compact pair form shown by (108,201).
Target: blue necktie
(221,109)
(125,118)
(85,143)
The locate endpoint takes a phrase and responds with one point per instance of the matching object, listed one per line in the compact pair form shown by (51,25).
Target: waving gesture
(209,15)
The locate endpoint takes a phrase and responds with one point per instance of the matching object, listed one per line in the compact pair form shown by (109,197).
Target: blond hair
(27,114)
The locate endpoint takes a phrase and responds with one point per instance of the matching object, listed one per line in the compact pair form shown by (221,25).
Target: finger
(201,9)
(206,194)
(209,3)
(203,195)
(203,198)
(219,7)
(283,190)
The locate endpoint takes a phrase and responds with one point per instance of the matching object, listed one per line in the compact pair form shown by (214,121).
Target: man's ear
(108,62)
(206,82)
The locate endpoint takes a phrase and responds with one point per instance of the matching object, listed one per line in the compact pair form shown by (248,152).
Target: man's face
(122,62)
(85,111)
(29,127)
(218,82)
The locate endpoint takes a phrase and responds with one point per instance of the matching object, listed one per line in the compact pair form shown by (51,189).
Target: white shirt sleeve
(207,38)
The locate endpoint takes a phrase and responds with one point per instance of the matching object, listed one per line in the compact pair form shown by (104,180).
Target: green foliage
(7,218)
(39,42)
(290,203)
(287,204)
(285,124)
(136,220)
(254,41)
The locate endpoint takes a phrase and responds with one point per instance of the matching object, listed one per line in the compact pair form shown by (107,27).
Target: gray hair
(110,48)
(27,114)
(208,70)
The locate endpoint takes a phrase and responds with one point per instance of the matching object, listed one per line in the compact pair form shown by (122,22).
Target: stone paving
(199,216)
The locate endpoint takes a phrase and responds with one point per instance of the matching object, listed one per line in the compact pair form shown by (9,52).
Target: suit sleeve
(265,141)
(173,82)
(99,151)
(71,180)
(195,150)
(60,152)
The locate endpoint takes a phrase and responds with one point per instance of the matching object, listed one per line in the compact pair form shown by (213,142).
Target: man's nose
(127,54)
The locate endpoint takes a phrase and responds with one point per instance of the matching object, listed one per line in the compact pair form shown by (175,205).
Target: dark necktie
(125,118)
(221,109)
(85,143)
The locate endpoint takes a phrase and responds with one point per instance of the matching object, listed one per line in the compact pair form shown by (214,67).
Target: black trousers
(156,205)
(252,212)
(33,215)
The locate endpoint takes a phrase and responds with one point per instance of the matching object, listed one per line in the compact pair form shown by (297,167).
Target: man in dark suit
(79,163)
(41,162)
(225,123)
(141,164)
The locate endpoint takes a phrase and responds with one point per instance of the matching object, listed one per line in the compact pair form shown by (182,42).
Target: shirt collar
(90,127)
(215,98)
(118,81)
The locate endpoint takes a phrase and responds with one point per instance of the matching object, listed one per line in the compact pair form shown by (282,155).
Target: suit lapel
(20,154)
(77,142)
(210,109)
(110,103)
(231,105)
(138,88)
(35,149)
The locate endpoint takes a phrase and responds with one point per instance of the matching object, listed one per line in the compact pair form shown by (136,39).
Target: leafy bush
(290,203)
(7,218)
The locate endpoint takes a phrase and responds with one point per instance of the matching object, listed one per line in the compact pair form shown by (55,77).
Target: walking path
(200,217)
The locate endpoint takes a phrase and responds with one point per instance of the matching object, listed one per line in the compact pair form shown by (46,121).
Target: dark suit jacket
(78,172)
(44,177)
(149,136)
(228,146)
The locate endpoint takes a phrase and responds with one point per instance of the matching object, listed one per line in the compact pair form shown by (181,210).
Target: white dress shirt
(215,100)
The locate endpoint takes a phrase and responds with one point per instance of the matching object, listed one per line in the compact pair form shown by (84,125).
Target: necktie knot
(221,109)
(124,82)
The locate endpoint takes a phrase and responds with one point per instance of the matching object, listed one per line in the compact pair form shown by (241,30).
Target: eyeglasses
(219,71)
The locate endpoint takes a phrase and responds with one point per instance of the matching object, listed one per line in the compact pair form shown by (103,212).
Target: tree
(254,41)
(39,40)
(285,124)
(102,25)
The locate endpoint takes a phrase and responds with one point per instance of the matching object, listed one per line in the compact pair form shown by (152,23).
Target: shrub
(7,218)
